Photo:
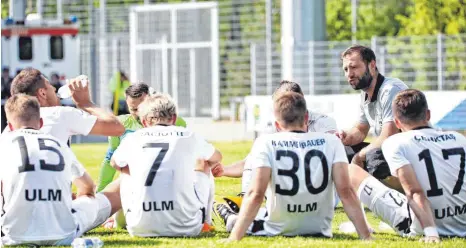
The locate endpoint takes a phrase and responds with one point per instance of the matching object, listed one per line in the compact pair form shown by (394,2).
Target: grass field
(91,156)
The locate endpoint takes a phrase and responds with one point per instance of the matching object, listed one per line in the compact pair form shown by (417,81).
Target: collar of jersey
(297,131)
(421,127)
(378,84)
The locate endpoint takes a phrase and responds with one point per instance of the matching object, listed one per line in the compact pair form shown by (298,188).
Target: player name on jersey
(440,138)
(450,211)
(157,206)
(43,195)
(152,133)
(301,208)
(298,144)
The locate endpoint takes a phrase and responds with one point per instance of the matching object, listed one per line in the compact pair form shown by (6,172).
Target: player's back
(163,201)
(300,195)
(36,178)
(438,159)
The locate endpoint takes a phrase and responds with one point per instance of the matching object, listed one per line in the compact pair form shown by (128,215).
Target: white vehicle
(49,45)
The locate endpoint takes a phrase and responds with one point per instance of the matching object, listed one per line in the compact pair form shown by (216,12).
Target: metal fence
(250,51)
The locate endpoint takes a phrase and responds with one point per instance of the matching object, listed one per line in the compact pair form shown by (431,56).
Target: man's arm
(388,129)
(107,124)
(251,203)
(124,169)
(355,135)
(349,199)
(215,158)
(234,170)
(418,201)
(84,185)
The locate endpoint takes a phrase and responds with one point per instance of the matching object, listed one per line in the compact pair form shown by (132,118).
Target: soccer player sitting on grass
(36,174)
(430,166)
(135,95)
(166,174)
(297,170)
(317,123)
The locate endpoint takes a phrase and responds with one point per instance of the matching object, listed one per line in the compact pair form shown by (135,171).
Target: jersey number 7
(157,162)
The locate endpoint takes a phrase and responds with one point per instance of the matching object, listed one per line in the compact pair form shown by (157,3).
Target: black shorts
(375,164)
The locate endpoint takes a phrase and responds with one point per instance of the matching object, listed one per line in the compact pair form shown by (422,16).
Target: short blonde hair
(22,109)
(290,108)
(159,106)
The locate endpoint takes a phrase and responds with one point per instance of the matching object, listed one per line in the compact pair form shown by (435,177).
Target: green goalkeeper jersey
(131,124)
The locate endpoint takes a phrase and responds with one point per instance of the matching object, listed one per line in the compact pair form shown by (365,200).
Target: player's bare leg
(383,201)
(112,192)
(205,190)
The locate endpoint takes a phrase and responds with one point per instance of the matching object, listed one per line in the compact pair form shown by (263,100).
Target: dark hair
(28,81)
(137,90)
(367,55)
(287,86)
(290,108)
(410,106)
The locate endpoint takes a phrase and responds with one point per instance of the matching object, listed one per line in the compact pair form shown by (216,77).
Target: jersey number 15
(27,166)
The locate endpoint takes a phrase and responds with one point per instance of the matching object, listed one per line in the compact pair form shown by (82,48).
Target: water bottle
(65,92)
(87,243)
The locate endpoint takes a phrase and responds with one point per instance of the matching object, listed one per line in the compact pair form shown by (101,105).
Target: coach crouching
(377,93)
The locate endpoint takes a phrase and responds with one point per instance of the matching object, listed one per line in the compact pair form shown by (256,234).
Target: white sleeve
(325,124)
(77,169)
(259,155)
(78,121)
(386,100)
(123,152)
(205,150)
(340,152)
(394,154)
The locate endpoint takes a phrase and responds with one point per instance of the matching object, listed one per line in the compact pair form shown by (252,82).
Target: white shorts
(137,226)
(88,213)
(388,204)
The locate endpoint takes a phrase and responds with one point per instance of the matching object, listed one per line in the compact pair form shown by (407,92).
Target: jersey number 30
(307,171)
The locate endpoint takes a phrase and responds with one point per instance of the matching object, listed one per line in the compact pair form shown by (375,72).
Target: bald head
(23,111)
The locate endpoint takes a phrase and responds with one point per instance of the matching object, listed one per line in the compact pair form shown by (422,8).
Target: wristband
(430,231)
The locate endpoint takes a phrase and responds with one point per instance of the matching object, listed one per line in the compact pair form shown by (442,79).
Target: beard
(364,81)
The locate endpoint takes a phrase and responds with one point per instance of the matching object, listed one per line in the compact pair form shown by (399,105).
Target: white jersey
(438,159)
(63,122)
(161,161)
(317,122)
(36,189)
(300,194)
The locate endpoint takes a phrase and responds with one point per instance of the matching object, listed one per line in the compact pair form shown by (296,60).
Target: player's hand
(218,170)
(343,136)
(79,92)
(430,239)
(358,160)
